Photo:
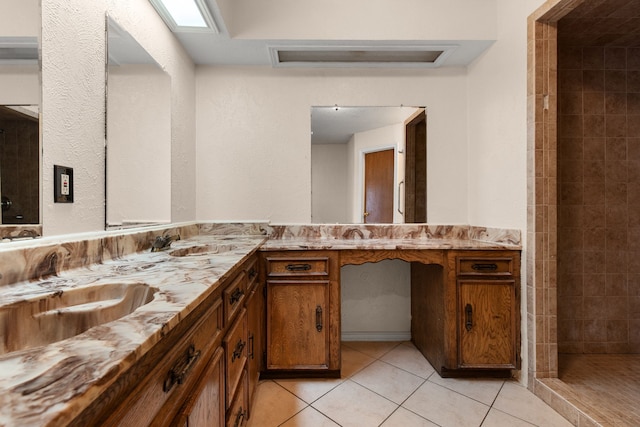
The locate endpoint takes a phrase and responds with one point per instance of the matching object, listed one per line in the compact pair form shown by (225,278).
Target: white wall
(253,139)
(139,145)
(498,132)
(329,201)
(73,77)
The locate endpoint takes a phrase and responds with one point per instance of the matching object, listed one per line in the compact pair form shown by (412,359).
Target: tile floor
(605,387)
(391,384)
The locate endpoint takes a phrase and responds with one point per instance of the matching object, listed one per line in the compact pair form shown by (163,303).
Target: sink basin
(64,314)
(211,249)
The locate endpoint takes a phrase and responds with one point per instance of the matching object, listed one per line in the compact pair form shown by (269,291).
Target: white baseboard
(375,336)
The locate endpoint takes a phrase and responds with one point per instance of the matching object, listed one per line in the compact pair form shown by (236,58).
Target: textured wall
(73,77)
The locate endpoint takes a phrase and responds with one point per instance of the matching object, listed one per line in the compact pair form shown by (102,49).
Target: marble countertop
(52,384)
(382,244)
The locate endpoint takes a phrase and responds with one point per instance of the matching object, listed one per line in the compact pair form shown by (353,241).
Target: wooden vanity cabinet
(303,314)
(205,406)
(488,310)
(197,375)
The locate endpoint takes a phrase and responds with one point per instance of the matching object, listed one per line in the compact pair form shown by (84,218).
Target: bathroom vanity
(230,304)
(465,299)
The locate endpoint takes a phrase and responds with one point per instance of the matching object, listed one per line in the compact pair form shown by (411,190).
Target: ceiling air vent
(410,56)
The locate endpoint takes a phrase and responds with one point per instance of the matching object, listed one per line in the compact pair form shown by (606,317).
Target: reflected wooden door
(415,194)
(378,187)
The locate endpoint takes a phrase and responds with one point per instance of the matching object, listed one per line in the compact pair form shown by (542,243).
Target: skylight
(185,15)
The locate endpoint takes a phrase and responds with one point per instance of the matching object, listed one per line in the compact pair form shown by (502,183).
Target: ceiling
(336,124)
(225,48)
(602,23)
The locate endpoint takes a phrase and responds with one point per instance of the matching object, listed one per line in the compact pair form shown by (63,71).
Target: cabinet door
(487,324)
(297,324)
(205,407)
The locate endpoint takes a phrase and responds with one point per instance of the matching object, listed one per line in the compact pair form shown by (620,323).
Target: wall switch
(62,184)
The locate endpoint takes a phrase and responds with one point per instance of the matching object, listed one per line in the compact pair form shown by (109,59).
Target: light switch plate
(62,184)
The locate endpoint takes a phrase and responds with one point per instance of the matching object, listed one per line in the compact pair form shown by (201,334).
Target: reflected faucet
(163,242)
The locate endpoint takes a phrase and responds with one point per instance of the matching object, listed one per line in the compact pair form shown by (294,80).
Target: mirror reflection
(359,164)
(19,114)
(138,153)
(19,164)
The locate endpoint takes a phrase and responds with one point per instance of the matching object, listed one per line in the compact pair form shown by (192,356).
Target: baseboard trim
(376,336)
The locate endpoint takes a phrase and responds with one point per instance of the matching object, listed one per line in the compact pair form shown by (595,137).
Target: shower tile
(615,125)
(593,58)
(615,103)
(633,81)
(633,58)
(633,103)
(616,308)
(615,80)
(592,103)
(593,80)
(615,58)
(633,126)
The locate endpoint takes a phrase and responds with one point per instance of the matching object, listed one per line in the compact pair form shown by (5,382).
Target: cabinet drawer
(239,409)
(234,296)
(472,266)
(173,377)
(297,266)
(235,346)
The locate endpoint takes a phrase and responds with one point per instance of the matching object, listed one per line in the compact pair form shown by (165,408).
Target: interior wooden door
(415,209)
(378,186)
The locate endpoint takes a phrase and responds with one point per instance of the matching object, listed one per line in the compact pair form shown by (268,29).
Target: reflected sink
(46,319)
(203,250)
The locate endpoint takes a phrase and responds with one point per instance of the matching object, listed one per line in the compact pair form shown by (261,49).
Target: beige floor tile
(516,400)
(350,404)
(309,417)
(405,418)
(409,358)
(353,361)
(497,418)
(273,405)
(375,349)
(483,390)
(388,381)
(446,407)
(310,389)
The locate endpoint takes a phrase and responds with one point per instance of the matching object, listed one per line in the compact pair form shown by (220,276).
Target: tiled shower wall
(598,199)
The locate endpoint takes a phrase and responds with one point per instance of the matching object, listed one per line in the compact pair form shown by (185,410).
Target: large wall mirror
(368,164)
(20,95)
(138,134)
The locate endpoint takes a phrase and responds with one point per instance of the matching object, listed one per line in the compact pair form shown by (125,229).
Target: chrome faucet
(163,242)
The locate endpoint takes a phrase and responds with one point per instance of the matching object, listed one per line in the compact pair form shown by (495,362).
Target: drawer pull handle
(237,353)
(298,267)
(252,273)
(468,311)
(252,354)
(485,267)
(236,296)
(239,417)
(181,369)
(319,318)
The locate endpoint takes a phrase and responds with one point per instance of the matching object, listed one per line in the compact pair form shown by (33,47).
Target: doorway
(582,172)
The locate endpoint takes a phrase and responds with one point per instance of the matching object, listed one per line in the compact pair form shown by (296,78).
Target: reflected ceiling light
(185,15)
